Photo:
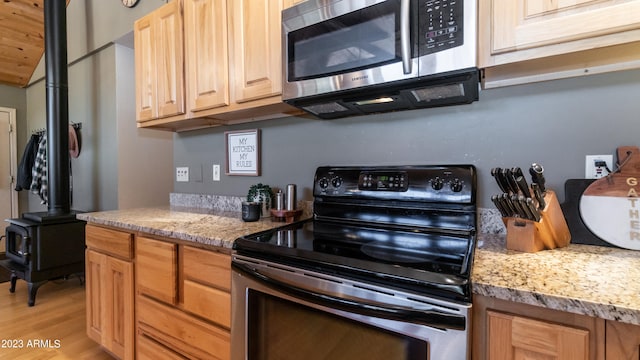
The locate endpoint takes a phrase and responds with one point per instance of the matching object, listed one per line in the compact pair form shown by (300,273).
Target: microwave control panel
(440,22)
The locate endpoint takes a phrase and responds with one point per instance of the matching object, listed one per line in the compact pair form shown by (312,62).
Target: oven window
(358,40)
(281,329)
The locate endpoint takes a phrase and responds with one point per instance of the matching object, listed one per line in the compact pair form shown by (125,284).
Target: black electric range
(405,227)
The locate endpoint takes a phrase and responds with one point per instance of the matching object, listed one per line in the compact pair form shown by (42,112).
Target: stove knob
(336,182)
(437,183)
(324,183)
(456,185)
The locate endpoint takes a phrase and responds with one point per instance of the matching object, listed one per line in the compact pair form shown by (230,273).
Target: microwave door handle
(432,318)
(405,44)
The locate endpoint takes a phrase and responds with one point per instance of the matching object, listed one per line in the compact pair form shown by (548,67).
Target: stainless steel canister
(279,200)
(291,197)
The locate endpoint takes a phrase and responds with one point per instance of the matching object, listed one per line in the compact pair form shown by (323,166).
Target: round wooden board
(610,207)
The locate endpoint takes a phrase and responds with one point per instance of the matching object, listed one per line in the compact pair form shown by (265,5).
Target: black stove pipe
(55,51)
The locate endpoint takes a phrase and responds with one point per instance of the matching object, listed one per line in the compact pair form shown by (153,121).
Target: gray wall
(94,101)
(555,123)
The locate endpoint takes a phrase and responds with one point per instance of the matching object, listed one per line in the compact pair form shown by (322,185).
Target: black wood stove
(42,246)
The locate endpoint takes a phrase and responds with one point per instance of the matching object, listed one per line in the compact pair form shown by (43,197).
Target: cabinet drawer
(210,303)
(148,349)
(181,332)
(207,267)
(112,242)
(156,269)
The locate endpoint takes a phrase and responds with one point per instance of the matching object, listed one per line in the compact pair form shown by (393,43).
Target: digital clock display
(388,181)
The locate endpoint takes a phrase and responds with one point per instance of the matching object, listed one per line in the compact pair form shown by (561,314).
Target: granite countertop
(205,227)
(591,280)
(584,279)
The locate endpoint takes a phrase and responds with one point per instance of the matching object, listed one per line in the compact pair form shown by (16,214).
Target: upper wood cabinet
(530,40)
(207,49)
(232,67)
(256,54)
(159,53)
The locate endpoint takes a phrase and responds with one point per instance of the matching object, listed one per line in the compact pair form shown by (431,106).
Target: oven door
(282,312)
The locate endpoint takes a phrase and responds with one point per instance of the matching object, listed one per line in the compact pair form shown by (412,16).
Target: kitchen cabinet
(159,54)
(232,64)
(623,341)
(523,41)
(109,290)
(509,330)
(183,301)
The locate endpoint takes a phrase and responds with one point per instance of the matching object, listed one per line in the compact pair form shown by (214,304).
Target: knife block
(549,233)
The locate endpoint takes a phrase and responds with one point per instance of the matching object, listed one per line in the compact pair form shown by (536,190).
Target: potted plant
(262,194)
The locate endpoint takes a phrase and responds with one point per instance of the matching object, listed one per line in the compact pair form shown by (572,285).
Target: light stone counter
(206,227)
(591,280)
(596,281)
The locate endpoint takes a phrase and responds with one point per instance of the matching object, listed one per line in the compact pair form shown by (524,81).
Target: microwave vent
(438,92)
(325,108)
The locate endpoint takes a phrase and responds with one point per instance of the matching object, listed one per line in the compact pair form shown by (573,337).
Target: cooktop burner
(406,227)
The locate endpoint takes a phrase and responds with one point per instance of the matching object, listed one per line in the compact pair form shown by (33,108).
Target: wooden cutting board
(610,206)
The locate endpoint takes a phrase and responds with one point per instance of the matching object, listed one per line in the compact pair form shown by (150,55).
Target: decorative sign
(243,152)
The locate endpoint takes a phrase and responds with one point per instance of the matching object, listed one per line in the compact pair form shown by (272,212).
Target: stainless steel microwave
(354,57)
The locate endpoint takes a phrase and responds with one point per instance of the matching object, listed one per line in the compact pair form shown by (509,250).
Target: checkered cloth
(39,181)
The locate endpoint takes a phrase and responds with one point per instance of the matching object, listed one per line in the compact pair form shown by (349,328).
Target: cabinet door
(255,45)
(156,269)
(514,337)
(109,299)
(517,25)
(207,67)
(169,54)
(119,310)
(145,69)
(95,270)
(623,341)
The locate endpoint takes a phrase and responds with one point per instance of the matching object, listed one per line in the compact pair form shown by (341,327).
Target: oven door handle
(432,318)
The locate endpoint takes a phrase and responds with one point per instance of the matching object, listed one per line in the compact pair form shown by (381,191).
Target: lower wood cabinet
(623,341)
(507,330)
(518,337)
(183,301)
(109,290)
(177,306)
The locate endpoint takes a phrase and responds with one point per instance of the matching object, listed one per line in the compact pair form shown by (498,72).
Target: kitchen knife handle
(537,176)
(511,182)
(497,174)
(496,201)
(522,184)
(539,197)
(535,213)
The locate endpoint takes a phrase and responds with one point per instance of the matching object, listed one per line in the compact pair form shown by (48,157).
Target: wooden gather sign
(610,206)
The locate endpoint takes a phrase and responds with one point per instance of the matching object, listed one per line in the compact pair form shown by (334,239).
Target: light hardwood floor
(57,317)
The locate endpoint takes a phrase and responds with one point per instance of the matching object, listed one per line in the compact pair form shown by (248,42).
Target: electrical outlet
(595,168)
(182,174)
(216,172)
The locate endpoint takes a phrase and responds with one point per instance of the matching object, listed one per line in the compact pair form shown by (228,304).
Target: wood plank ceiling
(21,40)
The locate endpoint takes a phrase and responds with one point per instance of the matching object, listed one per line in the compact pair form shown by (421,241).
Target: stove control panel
(454,183)
(383,181)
